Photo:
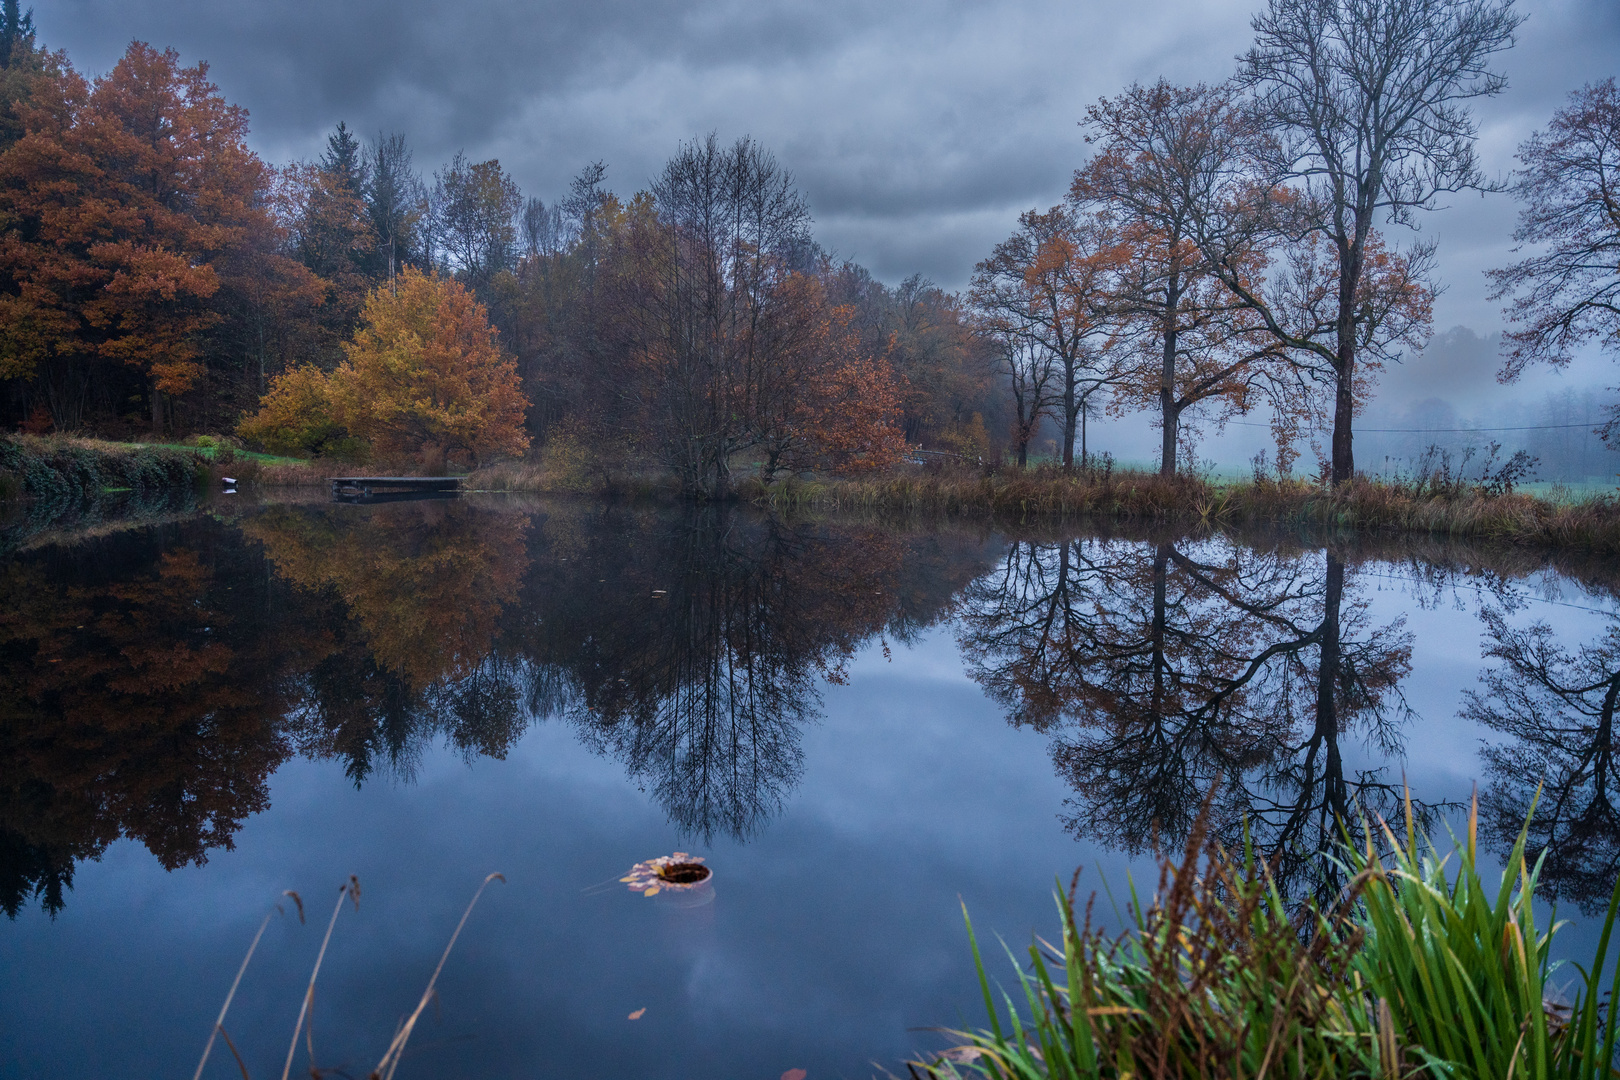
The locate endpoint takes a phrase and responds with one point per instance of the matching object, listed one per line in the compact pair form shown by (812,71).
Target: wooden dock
(369,485)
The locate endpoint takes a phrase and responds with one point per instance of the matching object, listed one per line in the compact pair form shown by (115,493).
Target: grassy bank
(59,468)
(1449,509)
(1418,971)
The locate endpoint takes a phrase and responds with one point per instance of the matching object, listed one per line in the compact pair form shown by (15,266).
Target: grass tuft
(1418,972)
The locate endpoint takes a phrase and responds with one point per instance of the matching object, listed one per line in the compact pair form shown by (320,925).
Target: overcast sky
(917,128)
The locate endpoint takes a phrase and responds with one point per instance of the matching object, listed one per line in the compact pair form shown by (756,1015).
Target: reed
(1419,971)
(350,893)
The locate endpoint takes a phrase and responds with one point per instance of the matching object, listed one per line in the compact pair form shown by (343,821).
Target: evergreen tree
(15,29)
(343,161)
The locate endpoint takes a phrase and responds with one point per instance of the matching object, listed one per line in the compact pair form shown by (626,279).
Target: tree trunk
(1327,678)
(157,411)
(1168,412)
(1344,368)
(1344,404)
(1068,414)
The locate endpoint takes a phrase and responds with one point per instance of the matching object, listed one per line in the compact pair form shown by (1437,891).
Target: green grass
(211,452)
(1421,971)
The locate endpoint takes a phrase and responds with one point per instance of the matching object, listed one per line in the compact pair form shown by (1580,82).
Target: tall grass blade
(350,891)
(390,1059)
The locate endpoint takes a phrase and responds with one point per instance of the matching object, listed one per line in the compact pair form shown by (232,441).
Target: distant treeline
(156,275)
(1221,254)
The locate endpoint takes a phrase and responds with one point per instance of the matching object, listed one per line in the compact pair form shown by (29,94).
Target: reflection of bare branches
(1558,708)
(702,688)
(1162,669)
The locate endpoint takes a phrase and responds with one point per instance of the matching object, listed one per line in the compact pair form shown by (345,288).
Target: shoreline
(57,468)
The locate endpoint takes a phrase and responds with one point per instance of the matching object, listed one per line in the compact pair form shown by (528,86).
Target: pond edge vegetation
(1440,503)
(1415,971)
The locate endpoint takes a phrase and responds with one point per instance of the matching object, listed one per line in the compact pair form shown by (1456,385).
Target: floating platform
(370,485)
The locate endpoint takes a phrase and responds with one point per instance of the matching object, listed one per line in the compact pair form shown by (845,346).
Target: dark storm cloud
(917,128)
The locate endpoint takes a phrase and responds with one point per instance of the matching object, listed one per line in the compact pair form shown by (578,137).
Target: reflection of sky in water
(834,932)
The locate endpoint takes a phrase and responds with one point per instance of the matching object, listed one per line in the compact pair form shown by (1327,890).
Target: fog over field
(917,129)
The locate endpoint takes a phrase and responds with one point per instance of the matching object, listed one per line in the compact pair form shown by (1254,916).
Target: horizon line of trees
(1223,250)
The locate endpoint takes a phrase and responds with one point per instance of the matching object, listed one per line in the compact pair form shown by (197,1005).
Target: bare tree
(1569,293)
(1045,283)
(1032,374)
(735,226)
(1165,156)
(1364,103)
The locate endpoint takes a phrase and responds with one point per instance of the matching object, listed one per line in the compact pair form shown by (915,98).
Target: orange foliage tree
(1043,294)
(828,401)
(424,374)
(119,198)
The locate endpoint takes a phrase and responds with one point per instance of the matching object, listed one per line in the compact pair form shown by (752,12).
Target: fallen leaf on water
(652,891)
(795,1074)
(639,1013)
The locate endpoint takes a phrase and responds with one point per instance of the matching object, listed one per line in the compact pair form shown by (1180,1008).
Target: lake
(863,726)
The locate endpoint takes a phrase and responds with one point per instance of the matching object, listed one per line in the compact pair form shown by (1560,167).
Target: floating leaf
(795,1074)
(651,891)
(639,1013)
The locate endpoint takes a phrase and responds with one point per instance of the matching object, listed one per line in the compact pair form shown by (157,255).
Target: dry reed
(349,891)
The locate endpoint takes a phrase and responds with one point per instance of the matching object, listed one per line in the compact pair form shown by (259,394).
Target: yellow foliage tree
(295,416)
(424,374)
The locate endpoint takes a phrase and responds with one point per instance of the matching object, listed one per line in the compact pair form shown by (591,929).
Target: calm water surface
(863,727)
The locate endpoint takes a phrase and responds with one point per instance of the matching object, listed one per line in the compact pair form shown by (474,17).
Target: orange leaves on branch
(828,401)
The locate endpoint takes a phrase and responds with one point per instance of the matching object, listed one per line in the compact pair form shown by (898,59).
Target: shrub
(296,418)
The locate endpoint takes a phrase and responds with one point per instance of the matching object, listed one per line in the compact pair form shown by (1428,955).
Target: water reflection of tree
(408,598)
(702,689)
(1557,708)
(1162,668)
(141,699)
(150,682)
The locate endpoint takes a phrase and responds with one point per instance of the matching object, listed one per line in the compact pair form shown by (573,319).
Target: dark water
(863,727)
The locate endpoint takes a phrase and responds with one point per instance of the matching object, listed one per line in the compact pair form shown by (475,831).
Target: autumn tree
(1046,282)
(944,367)
(730,225)
(1569,292)
(1363,104)
(827,401)
(120,199)
(424,374)
(1164,155)
(297,417)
